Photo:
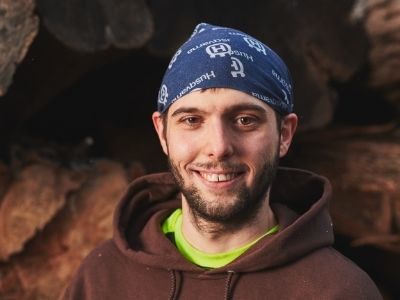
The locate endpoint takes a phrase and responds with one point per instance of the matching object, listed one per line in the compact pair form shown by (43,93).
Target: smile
(213,177)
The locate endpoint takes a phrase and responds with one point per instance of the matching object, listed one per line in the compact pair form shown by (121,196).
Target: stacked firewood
(51,216)
(19,27)
(56,204)
(381,19)
(364,167)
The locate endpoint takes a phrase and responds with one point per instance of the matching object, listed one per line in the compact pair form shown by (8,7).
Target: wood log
(363,166)
(381,20)
(34,197)
(92,25)
(19,27)
(48,262)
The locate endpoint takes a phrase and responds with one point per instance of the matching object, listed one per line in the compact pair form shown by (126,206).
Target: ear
(161,131)
(288,128)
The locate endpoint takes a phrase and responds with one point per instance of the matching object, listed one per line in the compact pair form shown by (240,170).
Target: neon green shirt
(173,224)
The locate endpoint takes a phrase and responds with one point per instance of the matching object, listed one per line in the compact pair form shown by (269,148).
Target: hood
(299,200)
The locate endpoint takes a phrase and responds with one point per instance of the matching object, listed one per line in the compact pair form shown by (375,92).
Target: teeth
(218,177)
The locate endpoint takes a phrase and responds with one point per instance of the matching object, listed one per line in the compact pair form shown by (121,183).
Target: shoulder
(94,269)
(339,275)
(103,260)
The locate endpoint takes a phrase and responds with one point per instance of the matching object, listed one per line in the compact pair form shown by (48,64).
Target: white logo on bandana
(238,67)
(197,30)
(163,95)
(219,49)
(255,44)
(174,58)
(285,95)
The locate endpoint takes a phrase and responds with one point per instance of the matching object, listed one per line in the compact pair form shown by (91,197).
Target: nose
(219,141)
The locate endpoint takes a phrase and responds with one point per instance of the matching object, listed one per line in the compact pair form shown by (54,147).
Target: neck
(211,237)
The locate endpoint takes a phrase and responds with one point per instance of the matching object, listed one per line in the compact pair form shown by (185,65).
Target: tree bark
(49,260)
(364,168)
(19,27)
(37,193)
(381,19)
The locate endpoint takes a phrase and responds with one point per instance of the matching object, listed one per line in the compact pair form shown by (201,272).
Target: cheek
(181,148)
(262,149)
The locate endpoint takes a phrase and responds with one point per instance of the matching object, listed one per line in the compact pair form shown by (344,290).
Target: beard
(244,202)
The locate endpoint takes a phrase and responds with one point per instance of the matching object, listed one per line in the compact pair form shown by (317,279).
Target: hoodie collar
(299,200)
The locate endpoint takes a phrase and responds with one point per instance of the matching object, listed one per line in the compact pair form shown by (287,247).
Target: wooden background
(78,84)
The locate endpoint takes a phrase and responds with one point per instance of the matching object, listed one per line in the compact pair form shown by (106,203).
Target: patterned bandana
(220,57)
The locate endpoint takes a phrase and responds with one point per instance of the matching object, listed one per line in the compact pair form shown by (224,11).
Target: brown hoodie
(298,262)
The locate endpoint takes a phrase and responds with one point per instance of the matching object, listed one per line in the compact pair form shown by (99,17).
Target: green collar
(173,224)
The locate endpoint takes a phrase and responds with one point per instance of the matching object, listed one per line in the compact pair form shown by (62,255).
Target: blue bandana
(220,57)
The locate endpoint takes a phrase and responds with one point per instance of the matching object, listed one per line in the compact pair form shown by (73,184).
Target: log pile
(381,20)
(55,206)
(364,168)
(35,196)
(19,27)
(51,216)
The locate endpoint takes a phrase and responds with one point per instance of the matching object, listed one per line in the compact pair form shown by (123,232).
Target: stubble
(220,216)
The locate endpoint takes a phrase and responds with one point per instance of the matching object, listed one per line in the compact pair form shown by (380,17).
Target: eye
(246,121)
(191,121)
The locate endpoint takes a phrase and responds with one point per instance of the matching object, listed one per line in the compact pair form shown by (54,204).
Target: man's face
(223,147)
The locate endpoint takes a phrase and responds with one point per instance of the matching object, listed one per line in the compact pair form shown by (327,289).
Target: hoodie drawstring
(228,285)
(173,285)
(174,290)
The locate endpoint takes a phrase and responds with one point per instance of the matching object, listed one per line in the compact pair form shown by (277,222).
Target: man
(228,223)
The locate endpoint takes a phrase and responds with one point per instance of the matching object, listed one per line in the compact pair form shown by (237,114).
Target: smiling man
(223,147)
(226,222)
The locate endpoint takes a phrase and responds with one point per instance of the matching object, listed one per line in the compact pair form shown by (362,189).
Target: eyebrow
(247,106)
(232,109)
(185,110)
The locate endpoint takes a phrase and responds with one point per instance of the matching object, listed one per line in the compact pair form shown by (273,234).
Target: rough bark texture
(36,194)
(381,19)
(45,266)
(18,28)
(364,168)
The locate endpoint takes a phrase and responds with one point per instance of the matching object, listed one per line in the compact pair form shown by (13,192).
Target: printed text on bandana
(206,44)
(194,83)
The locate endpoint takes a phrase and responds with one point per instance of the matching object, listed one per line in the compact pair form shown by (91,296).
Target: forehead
(219,100)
